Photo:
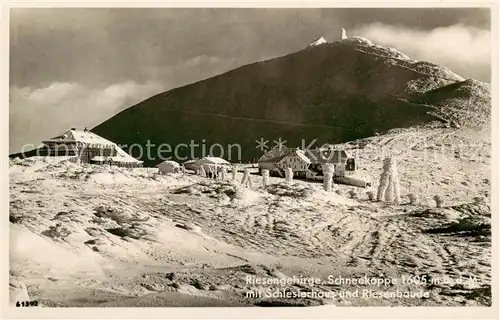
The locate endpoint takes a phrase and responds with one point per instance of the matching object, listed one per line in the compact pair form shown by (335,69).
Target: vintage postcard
(319,159)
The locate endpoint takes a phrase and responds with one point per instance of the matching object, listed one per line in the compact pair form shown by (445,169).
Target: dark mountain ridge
(330,93)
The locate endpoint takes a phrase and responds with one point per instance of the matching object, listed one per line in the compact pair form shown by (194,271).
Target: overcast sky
(78,67)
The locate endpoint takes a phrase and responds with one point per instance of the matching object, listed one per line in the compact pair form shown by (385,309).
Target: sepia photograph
(249,157)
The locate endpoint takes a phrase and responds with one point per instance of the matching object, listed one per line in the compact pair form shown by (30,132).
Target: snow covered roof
(284,154)
(317,42)
(121,159)
(274,159)
(301,155)
(214,160)
(360,40)
(274,154)
(86,137)
(169,163)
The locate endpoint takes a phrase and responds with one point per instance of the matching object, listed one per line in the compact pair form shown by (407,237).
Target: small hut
(169,167)
(209,163)
(190,165)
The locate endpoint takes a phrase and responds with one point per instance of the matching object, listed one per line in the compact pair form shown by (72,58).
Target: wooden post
(289,175)
(247,181)
(234,171)
(265,178)
(328,172)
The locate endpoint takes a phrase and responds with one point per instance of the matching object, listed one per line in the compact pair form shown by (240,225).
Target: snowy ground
(100,236)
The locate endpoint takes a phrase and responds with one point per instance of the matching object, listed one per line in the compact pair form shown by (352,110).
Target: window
(350,165)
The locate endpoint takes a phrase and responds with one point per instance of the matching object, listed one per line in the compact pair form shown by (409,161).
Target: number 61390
(26,303)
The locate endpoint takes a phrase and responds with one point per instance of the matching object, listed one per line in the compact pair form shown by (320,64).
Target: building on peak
(343,36)
(318,41)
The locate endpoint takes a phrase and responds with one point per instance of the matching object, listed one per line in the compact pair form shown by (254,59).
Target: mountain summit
(330,93)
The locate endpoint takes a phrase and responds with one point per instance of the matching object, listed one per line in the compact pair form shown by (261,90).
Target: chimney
(344,34)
